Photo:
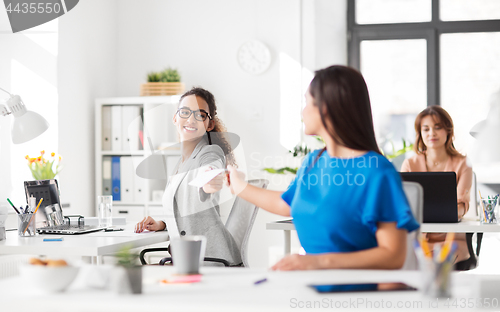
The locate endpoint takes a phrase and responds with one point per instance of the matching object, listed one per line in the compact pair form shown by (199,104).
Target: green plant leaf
(281,170)
(170,75)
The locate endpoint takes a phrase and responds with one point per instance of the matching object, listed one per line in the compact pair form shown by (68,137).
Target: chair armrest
(144,251)
(226,264)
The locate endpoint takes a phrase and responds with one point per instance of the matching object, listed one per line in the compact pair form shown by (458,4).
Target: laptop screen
(46,189)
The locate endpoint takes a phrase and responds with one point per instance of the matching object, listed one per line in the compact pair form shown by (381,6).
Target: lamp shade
(27,127)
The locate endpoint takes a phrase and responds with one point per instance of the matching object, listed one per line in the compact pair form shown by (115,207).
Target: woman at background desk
(347,200)
(191,210)
(435,152)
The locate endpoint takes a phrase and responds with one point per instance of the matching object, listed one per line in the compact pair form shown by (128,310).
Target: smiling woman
(190,210)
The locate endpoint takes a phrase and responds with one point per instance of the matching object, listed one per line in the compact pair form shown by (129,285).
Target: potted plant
(130,272)
(167,82)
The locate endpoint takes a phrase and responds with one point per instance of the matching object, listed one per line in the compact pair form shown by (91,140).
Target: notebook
(49,217)
(440,195)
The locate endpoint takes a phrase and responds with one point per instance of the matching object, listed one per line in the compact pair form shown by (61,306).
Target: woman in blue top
(347,201)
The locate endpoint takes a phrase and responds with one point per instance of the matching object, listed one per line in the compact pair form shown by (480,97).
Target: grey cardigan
(196,212)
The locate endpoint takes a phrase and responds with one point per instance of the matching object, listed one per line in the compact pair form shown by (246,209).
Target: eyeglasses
(200,114)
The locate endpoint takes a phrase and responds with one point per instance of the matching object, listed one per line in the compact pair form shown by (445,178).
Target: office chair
(415,195)
(471,263)
(239,224)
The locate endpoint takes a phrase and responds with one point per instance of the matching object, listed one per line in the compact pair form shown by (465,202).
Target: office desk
(95,244)
(233,289)
(465,226)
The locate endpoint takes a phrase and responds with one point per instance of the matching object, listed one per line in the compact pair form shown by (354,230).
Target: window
(418,53)
(28,62)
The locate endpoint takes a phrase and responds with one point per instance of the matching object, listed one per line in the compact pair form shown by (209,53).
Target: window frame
(431,31)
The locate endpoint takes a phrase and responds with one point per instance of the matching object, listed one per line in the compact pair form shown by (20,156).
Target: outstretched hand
(215,184)
(236,180)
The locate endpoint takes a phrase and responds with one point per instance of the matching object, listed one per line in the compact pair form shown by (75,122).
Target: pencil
(482,206)
(33,215)
(13,206)
(425,247)
(446,247)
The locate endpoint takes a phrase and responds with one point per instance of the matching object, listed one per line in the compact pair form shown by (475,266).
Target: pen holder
(26,224)
(436,278)
(488,211)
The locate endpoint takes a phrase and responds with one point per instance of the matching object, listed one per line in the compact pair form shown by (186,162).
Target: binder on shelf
(139,184)
(106,176)
(127,179)
(115,178)
(131,125)
(106,128)
(116,128)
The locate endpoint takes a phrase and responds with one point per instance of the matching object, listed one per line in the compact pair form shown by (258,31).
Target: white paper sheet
(206,177)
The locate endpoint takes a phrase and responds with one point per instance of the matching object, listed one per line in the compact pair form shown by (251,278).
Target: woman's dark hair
(218,125)
(442,117)
(341,95)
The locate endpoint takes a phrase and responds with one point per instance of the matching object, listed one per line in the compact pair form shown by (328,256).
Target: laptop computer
(440,195)
(49,217)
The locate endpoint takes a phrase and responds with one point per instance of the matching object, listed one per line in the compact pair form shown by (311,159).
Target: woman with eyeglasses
(347,200)
(191,210)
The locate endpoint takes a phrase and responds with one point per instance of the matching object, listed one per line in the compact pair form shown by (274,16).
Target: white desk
(233,289)
(92,244)
(465,226)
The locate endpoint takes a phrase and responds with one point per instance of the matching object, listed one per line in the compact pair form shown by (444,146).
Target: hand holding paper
(204,178)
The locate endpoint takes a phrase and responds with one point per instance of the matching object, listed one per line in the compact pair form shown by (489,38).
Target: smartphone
(341,288)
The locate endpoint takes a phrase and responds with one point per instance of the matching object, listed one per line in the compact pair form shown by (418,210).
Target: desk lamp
(27,124)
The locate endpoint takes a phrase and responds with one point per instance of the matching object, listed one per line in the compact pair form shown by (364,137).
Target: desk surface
(465,226)
(233,289)
(91,244)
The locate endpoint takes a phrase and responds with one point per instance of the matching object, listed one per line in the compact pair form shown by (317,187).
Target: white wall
(86,70)
(108,47)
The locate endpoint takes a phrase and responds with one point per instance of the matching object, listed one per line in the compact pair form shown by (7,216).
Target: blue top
(337,202)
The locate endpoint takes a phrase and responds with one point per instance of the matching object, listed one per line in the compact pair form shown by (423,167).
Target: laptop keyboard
(66,228)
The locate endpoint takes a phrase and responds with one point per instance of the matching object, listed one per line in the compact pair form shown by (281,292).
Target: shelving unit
(154,121)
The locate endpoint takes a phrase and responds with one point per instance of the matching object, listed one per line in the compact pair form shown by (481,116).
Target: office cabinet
(128,130)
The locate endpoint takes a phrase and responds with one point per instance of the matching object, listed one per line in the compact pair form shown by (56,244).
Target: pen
(260,281)
(33,215)
(17,211)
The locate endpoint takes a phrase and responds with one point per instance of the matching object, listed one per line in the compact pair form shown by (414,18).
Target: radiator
(9,264)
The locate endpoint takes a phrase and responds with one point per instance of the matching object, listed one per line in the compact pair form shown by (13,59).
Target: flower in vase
(44,168)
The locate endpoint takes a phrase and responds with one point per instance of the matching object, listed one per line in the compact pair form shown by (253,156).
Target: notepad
(206,177)
(182,279)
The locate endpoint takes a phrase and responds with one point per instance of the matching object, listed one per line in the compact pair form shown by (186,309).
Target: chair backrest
(415,195)
(241,219)
(473,198)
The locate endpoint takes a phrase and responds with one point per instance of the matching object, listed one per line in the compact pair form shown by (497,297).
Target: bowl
(48,278)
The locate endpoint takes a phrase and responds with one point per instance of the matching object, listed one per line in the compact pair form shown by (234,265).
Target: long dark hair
(440,115)
(218,124)
(341,95)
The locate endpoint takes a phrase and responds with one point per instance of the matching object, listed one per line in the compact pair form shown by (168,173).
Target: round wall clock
(254,57)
